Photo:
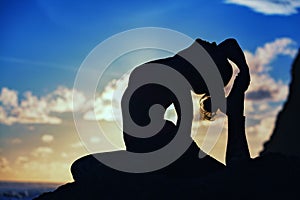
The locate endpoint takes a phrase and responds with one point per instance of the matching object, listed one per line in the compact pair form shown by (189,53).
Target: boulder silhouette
(285,138)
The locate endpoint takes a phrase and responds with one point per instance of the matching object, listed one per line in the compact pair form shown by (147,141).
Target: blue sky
(40,38)
(43,43)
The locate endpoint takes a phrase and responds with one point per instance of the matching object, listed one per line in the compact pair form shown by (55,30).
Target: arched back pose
(189,164)
(149,95)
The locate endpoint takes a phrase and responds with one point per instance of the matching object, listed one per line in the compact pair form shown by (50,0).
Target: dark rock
(286,136)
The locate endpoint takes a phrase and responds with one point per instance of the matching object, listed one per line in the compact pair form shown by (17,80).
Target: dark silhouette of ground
(270,176)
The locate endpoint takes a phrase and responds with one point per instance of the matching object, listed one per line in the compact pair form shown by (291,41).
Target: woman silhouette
(189,164)
(145,97)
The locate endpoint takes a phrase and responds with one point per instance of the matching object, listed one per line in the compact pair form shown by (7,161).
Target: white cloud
(263,86)
(8,102)
(77,145)
(107,105)
(269,7)
(258,134)
(263,56)
(61,100)
(47,138)
(42,152)
(265,95)
(4,118)
(9,97)
(33,109)
(95,139)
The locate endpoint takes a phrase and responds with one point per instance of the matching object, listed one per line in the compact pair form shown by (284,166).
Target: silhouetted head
(218,55)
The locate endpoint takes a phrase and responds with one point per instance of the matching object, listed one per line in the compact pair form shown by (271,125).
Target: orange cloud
(4,165)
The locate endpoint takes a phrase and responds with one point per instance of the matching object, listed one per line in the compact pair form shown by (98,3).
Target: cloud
(269,7)
(259,133)
(8,102)
(263,56)
(263,86)
(107,105)
(42,152)
(34,110)
(16,141)
(20,160)
(64,155)
(4,165)
(9,97)
(95,139)
(265,95)
(61,100)
(42,110)
(77,145)
(53,171)
(38,110)
(47,138)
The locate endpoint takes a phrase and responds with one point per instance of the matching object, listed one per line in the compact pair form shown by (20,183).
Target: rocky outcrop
(286,135)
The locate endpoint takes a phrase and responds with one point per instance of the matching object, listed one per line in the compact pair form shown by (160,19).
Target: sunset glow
(43,44)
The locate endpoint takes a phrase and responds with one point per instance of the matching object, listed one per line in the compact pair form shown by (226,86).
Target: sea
(24,190)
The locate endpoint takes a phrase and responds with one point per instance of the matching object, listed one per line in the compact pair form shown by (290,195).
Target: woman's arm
(237,147)
(233,52)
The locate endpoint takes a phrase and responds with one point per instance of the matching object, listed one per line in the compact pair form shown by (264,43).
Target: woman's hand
(235,99)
